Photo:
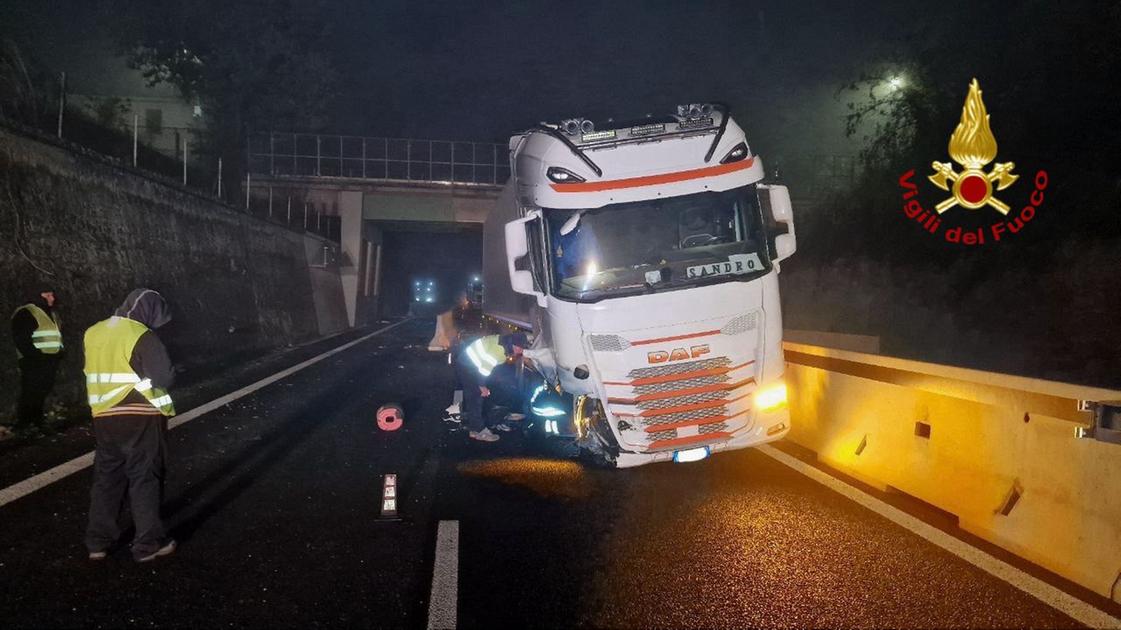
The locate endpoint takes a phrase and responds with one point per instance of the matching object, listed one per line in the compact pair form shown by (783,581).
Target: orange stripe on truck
(654,180)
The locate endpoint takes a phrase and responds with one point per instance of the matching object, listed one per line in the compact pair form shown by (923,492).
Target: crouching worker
(474,365)
(507,384)
(127,375)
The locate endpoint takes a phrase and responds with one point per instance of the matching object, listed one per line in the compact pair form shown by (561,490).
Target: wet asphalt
(275,501)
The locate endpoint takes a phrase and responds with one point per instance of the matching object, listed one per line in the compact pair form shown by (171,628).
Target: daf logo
(677,354)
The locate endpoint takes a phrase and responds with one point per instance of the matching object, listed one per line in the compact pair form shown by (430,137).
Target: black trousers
(130,458)
(36,380)
(471,411)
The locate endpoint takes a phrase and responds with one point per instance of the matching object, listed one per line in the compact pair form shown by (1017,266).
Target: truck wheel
(595,459)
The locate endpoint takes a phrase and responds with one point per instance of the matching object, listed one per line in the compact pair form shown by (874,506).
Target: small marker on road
(390,417)
(389,497)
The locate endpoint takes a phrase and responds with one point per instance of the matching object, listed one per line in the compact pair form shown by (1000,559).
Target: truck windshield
(657,244)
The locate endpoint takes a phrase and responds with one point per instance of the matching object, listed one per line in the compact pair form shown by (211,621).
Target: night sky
(482,70)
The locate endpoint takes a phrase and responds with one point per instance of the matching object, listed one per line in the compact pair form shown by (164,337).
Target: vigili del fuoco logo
(972,147)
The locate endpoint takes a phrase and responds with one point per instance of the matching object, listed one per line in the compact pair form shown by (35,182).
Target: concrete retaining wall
(238,286)
(970,443)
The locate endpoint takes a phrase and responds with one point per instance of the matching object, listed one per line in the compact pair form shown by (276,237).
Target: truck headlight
(771,397)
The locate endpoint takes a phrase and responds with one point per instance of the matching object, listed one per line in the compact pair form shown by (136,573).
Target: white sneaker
(483,436)
(503,427)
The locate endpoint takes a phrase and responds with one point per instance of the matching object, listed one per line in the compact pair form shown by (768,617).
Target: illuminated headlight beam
(771,397)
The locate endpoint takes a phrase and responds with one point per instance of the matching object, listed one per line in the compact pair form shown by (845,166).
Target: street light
(896,82)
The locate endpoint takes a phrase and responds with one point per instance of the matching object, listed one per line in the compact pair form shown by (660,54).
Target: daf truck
(644,257)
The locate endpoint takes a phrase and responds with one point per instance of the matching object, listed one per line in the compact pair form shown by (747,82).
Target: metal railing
(280,154)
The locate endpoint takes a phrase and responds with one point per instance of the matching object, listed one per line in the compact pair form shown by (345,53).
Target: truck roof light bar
(575,126)
(723,109)
(554,132)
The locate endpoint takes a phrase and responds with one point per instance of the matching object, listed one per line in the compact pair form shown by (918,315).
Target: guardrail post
(247,184)
(305,216)
(288,221)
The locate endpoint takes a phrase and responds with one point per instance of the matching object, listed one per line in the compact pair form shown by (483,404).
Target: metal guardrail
(283,154)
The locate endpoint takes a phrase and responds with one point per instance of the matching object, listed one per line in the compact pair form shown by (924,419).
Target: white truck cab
(642,259)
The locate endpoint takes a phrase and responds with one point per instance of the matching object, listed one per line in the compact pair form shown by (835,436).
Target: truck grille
(683,404)
(678,368)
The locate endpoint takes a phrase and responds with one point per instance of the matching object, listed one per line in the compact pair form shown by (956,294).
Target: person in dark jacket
(38,339)
(128,372)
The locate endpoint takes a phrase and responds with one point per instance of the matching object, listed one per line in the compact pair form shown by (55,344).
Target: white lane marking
(445,578)
(1077,609)
(47,477)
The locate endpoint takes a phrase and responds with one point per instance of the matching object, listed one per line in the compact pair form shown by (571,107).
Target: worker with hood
(37,335)
(128,373)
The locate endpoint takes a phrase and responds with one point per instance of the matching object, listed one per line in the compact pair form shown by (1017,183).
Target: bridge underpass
(383,190)
(377,221)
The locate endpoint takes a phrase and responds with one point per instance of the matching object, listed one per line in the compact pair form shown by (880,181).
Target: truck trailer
(644,257)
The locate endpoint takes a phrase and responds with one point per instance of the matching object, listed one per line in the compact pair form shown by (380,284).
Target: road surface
(275,500)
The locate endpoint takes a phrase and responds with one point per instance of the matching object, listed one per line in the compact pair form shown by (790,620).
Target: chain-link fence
(292,207)
(281,154)
(36,100)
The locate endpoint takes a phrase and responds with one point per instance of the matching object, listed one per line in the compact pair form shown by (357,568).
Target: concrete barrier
(445,332)
(841,341)
(1000,452)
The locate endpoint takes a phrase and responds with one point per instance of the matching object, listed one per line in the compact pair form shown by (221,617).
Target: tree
(1047,72)
(249,65)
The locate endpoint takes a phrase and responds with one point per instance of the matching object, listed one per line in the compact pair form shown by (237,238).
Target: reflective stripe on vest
(485,354)
(109,375)
(47,337)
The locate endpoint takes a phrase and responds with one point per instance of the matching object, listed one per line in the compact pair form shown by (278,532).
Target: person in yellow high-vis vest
(128,373)
(37,335)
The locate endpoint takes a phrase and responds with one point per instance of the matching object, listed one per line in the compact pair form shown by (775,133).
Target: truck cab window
(658,244)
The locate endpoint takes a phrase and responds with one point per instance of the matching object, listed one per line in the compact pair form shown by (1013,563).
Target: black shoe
(167,549)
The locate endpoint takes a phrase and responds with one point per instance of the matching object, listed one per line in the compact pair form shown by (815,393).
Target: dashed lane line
(445,578)
(80,463)
(1072,606)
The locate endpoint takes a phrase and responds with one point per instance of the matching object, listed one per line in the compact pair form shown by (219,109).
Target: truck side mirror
(517,247)
(782,211)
